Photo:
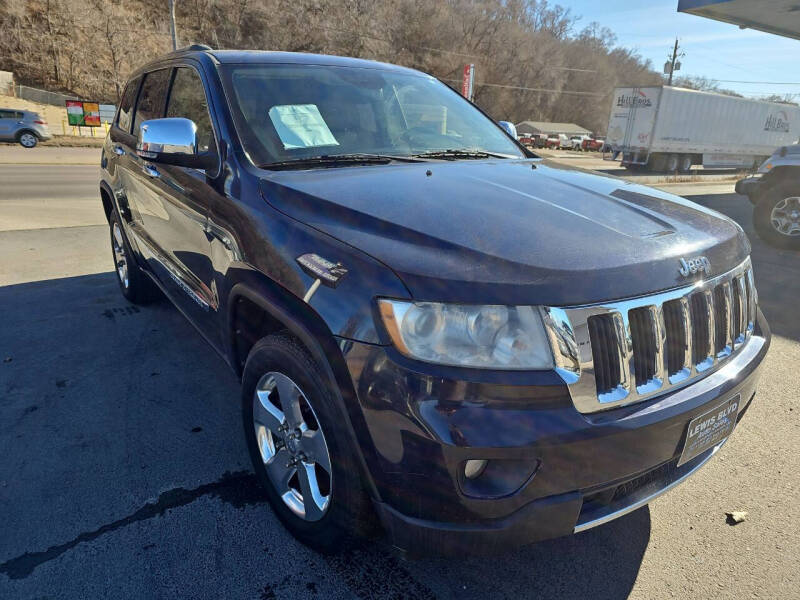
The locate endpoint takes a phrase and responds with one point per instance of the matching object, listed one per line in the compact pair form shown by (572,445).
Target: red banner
(466,82)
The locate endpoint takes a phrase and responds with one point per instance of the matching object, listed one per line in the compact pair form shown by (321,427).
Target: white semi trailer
(670,129)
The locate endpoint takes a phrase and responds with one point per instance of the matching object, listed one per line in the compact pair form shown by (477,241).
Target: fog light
(474,468)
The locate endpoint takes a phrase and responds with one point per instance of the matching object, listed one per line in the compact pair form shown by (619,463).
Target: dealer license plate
(710,429)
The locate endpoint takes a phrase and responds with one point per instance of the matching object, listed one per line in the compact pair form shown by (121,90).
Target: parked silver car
(22,126)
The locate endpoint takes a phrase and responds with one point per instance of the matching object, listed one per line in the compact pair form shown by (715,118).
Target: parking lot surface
(124,472)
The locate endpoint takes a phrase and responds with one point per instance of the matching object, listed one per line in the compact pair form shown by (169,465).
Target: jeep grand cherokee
(432,325)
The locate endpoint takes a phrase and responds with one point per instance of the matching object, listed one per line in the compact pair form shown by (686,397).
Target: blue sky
(716,50)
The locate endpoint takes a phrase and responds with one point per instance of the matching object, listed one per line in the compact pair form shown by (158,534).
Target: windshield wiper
(333,160)
(456,153)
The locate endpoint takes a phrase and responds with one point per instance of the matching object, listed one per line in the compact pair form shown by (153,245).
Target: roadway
(125,474)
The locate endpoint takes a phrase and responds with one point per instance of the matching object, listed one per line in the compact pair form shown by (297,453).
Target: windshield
(287,112)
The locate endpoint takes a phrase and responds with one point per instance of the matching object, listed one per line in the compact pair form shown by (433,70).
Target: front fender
(310,329)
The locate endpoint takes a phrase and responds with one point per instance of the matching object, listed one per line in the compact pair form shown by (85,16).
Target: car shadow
(140,419)
(600,563)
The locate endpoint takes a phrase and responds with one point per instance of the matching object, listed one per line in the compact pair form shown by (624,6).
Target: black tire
(762,216)
(685,163)
(27,139)
(349,513)
(134,284)
(671,163)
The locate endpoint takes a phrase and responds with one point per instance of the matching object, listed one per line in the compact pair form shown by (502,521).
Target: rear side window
(187,99)
(11,114)
(152,98)
(125,117)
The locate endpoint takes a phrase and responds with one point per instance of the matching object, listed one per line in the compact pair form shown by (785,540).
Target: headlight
(489,337)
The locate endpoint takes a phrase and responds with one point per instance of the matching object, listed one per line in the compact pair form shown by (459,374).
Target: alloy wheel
(292,446)
(785,216)
(120,259)
(28,140)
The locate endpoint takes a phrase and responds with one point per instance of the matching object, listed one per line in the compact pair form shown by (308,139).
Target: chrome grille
(622,352)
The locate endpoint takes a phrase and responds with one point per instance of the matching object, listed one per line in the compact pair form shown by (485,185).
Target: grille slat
(639,346)
(599,330)
(676,336)
(643,336)
(701,347)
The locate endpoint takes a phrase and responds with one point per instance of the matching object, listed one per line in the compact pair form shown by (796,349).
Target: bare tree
(529,57)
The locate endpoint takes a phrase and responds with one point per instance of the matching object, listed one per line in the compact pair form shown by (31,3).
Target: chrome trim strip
(741,326)
(568,332)
(563,343)
(726,310)
(174,273)
(657,322)
(710,357)
(646,499)
(752,302)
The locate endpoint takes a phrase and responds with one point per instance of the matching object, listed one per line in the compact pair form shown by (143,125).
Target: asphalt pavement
(124,472)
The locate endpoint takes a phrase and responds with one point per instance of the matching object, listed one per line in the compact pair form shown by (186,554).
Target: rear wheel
(133,283)
(27,139)
(299,449)
(671,163)
(685,163)
(776,217)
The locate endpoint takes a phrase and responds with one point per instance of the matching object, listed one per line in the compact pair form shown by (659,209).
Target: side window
(6,114)
(125,117)
(152,98)
(187,99)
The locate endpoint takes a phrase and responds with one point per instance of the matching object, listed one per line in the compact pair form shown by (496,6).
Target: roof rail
(195,47)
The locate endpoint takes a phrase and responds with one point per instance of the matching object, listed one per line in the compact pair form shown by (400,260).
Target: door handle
(118,150)
(150,170)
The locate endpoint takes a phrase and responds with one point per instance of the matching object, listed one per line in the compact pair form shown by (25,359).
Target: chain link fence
(42,96)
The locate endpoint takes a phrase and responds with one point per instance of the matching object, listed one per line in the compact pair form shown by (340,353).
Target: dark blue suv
(440,335)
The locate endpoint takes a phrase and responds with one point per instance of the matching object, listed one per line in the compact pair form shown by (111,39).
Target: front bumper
(750,186)
(556,471)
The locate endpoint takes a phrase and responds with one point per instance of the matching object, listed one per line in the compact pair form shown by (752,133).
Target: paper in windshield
(301,126)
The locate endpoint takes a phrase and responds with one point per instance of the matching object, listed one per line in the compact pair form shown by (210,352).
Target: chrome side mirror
(171,141)
(509,128)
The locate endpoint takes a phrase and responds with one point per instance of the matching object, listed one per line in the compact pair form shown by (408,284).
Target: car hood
(510,231)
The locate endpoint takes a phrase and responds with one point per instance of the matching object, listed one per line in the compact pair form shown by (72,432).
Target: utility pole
(172,27)
(673,64)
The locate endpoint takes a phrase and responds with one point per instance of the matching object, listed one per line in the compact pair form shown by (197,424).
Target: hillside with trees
(532,59)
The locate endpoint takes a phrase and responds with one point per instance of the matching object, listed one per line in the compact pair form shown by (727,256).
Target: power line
(573,69)
(431,49)
(758,82)
(533,89)
(380,39)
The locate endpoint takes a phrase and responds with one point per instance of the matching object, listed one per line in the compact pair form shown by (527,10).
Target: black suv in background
(432,325)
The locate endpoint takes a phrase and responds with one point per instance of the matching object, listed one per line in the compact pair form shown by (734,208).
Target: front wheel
(300,451)
(776,217)
(27,139)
